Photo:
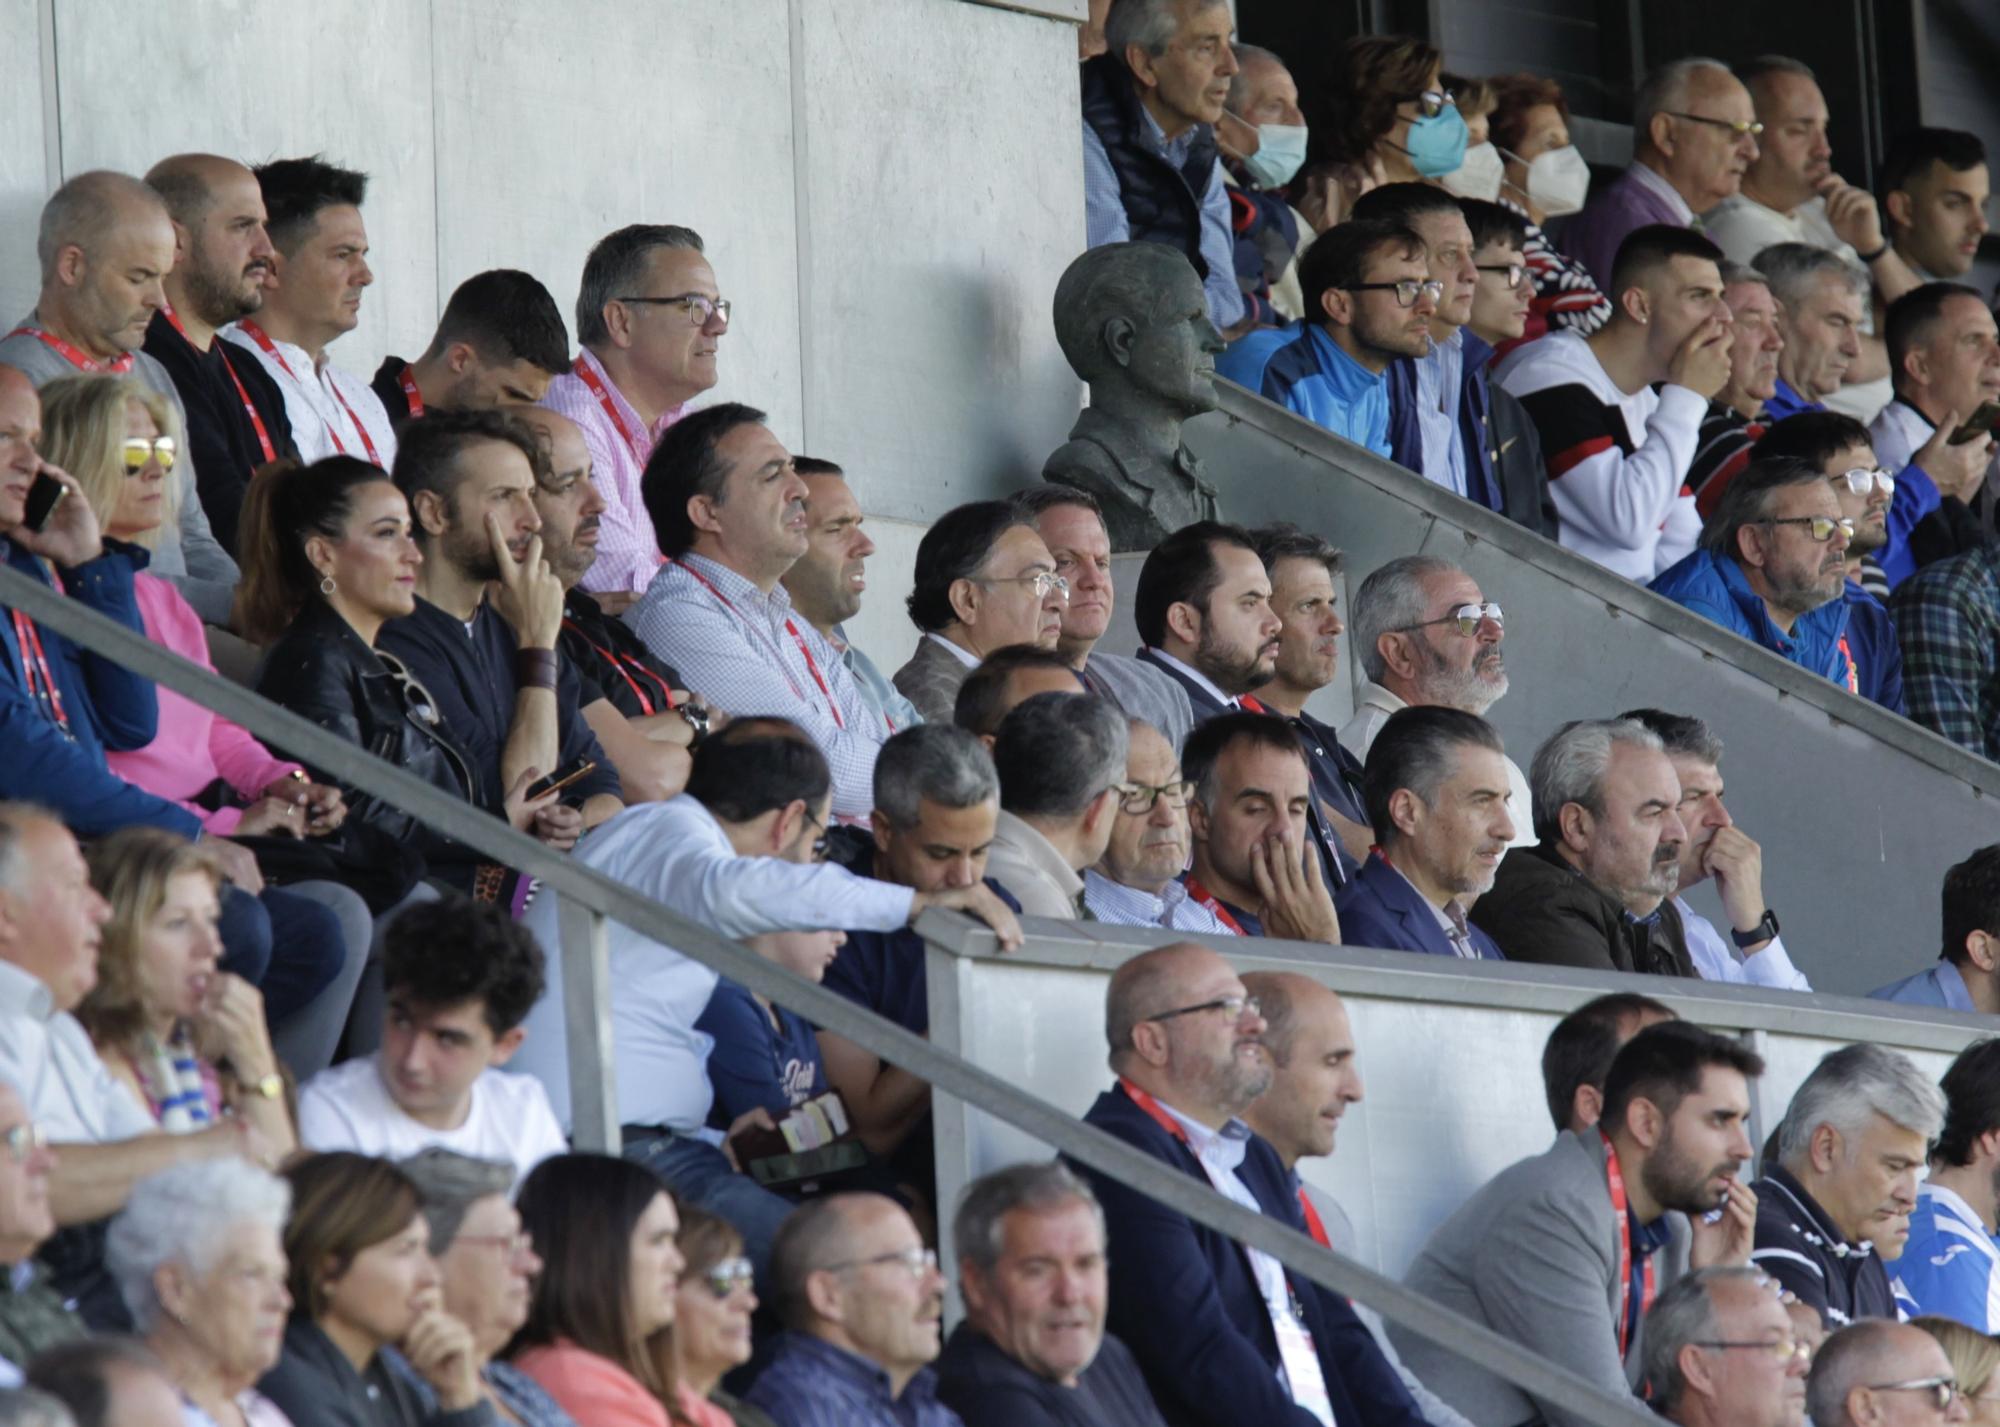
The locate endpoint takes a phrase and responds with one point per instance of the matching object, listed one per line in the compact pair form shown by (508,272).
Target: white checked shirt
(1117,905)
(332,412)
(734,644)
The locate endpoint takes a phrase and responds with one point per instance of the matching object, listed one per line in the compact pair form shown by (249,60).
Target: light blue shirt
(1715,961)
(895,711)
(1105,221)
(1117,905)
(1941,986)
(1438,378)
(1951,1264)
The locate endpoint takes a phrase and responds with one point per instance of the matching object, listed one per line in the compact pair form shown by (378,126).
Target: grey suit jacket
(1533,1255)
(1142,692)
(931,680)
(1024,862)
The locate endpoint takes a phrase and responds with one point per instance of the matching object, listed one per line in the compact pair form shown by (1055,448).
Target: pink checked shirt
(627,555)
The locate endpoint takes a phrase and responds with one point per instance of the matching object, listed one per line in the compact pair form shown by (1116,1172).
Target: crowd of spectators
(284,1075)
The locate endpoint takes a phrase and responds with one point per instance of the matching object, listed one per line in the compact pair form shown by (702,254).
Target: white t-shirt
(348,1108)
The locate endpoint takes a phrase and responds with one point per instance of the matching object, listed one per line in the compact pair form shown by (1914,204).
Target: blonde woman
(1973,1357)
(188,1039)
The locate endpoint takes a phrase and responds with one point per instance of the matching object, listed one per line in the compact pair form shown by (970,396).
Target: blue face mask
(1281,151)
(1437,144)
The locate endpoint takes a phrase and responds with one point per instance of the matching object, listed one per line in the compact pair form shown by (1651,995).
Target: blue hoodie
(1302,369)
(1715,587)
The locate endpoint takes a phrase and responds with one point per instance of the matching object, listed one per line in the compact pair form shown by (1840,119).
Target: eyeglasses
(1138,799)
(1943,1390)
(1860,479)
(700,310)
(1513,272)
(1235,1007)
(138,451)
(728,1276)
(1820,527)
(1781,1349)
(1468,618)
(823,844)
(1430,103)
(1042,580)
(23,1140)
(1741,128)
(1406,289)
(509,1246)
(918,1261)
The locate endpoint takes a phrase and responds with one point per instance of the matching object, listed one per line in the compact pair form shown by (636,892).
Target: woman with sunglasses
(597,1335)
(712,1311)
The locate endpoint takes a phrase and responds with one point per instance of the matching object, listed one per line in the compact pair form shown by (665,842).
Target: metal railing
(589,897)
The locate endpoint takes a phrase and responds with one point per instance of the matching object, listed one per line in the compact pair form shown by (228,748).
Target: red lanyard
(812,664)
(1198,893)
(1853,673)
(583,369)
(35,670)
(249,407)
(270,349)
(409,384)
(81,360)
(1155,1112)
(1313,1224)
(1615,1179)
(625,665)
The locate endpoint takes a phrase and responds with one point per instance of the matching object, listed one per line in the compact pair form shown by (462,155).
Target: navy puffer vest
(1162,201)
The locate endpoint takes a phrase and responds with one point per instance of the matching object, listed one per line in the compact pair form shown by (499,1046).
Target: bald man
(235,413)
(106,246)
(1185,1041)
(1314,1078)
(1847,1385)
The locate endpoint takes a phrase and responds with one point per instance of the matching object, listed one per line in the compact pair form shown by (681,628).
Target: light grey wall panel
(943,198)
(561,120)
(350,79)
(24,156)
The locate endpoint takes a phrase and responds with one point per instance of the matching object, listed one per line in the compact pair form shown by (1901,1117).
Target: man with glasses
(1695,134)
(33,1315)
(1501,302)
(649,318)
(1619,451)
(1369,301)
(1772,567)
(1061,762)
(862,1303)
(983,580)
(1879,1373)
(1437,795)
(1136,882)
(1223,1334)
(1720,1352)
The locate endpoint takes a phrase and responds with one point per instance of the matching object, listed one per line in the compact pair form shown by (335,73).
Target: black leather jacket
(321,670)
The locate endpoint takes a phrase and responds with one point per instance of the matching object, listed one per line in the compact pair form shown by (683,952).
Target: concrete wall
(888,188)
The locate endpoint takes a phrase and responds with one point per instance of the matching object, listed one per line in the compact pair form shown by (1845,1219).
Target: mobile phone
(1983,420)
(43,497)
(556,782)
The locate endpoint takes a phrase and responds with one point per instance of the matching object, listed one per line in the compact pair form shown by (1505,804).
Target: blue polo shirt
(1785,402)
(755,1063)
(1942,987)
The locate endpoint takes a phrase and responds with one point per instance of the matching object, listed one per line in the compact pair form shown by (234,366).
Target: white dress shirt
(678,854)
(1716,959)
(332,412)
(46,1055)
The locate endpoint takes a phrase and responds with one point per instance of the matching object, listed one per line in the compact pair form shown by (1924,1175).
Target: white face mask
(1479,175)
(1558,181)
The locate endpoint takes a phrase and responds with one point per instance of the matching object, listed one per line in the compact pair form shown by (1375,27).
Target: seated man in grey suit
(1071,524)
(1703,1364)
(983,580)
(1564,1251)
(1061,760)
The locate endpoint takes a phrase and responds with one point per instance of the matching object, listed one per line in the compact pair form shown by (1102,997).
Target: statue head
(1133,321)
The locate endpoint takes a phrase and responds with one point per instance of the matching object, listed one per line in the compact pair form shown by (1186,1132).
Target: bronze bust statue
(1133,321)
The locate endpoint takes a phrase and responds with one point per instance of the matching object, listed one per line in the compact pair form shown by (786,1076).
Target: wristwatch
(269,1087)
(695,716)
(1765,930)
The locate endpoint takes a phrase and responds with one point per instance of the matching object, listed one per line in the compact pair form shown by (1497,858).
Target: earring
(326,586)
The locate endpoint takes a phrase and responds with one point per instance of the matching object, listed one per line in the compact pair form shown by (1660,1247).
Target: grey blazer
(931,680)
(1142,692)
(1533,1255)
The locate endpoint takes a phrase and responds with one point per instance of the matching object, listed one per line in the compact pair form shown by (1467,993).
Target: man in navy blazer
(1436,791)
(1205,1316)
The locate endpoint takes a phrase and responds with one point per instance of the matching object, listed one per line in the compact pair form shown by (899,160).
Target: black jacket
(1543,910)
(315,1385)
(1162,201)
(986,1388)
(321,670)
(1517,464)
(1798,1246)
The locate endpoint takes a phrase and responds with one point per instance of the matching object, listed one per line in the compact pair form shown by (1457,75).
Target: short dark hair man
(500,340)
(1525,1255)
(459,978)
(1772,567)
(1203,608)
(1577,1056)
(1436,787)
(1250,818)
(1592,891)
(1951,1265)
(1061,761)
(1006,679)
(983,580)
(1967,974)
(1369,301)
(1934,187)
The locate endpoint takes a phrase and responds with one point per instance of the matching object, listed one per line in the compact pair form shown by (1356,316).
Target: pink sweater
(193,747)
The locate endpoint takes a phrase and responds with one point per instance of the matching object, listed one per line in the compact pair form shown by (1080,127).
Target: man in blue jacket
(1225,1335)
(1437,795)
(1772,566)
